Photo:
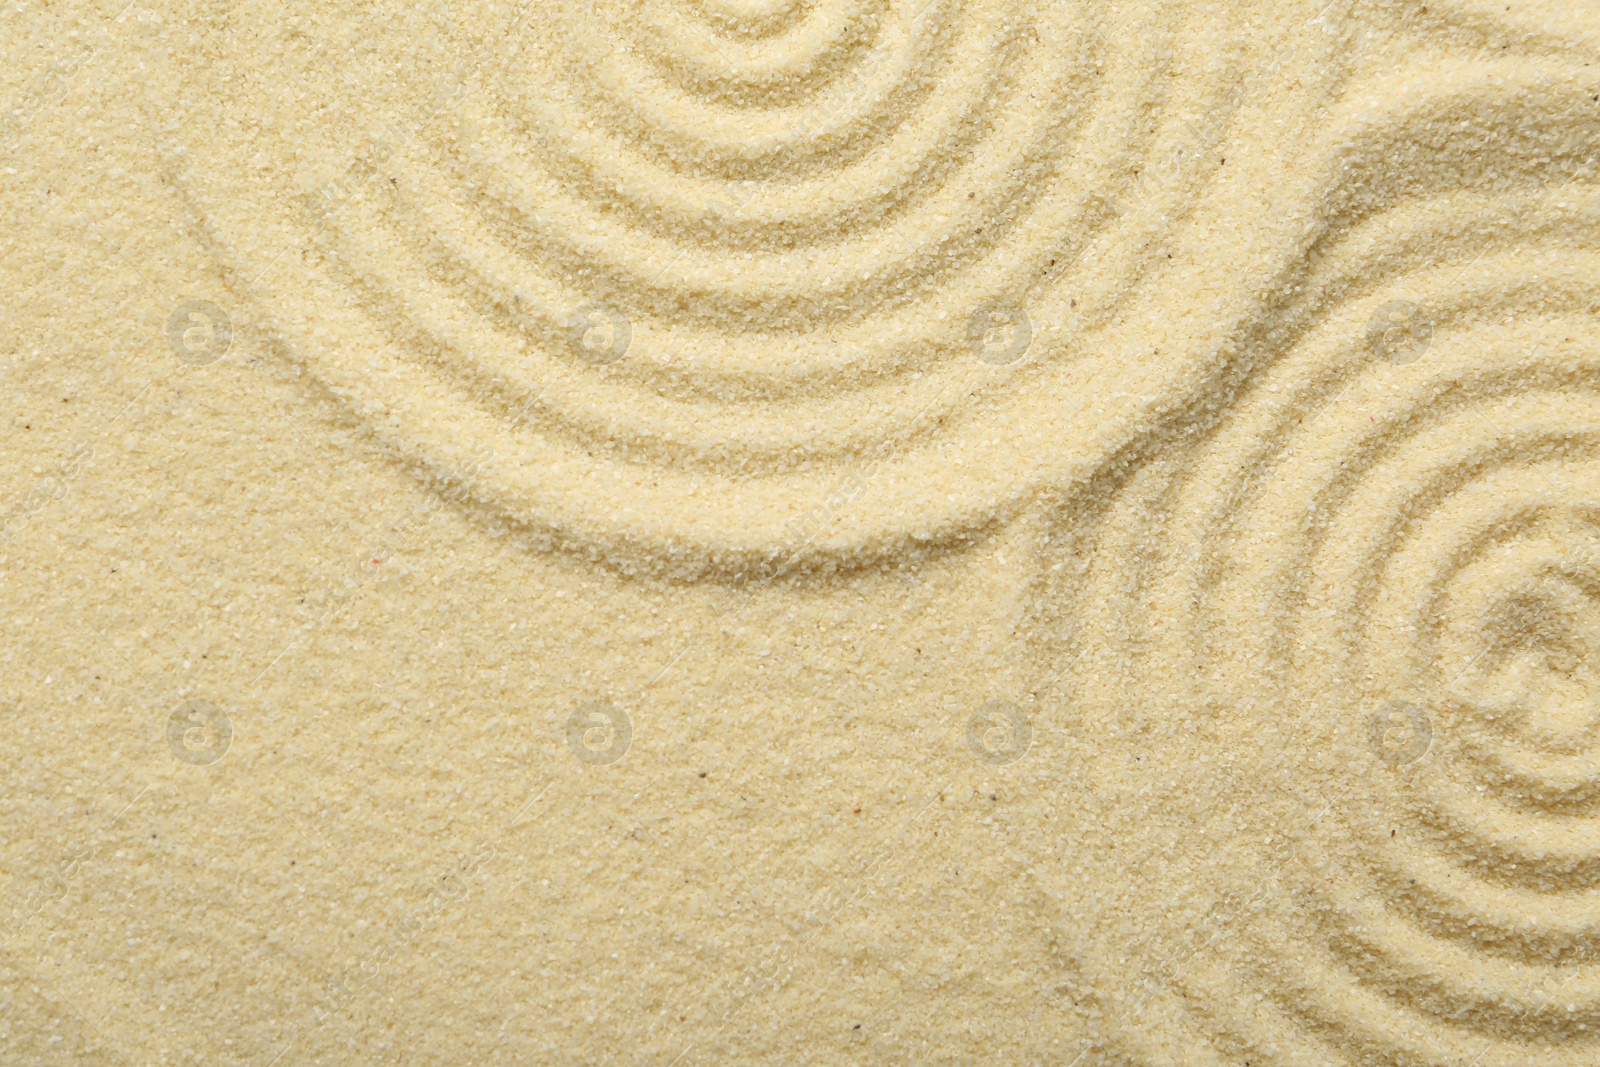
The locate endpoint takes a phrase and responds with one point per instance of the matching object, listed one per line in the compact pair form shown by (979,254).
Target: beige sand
(748,531)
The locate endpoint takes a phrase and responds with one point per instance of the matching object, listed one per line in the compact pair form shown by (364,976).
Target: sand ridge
(1335,642)
(682,283)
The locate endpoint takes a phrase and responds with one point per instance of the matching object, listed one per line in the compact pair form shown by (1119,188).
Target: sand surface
(800,531)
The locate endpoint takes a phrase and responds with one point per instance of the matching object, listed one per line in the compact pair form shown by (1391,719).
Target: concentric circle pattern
(1329,657)
(685,265)
(1289,311)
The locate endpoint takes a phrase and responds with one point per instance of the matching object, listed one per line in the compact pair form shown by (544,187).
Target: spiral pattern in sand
(688,267)
(1332,655)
